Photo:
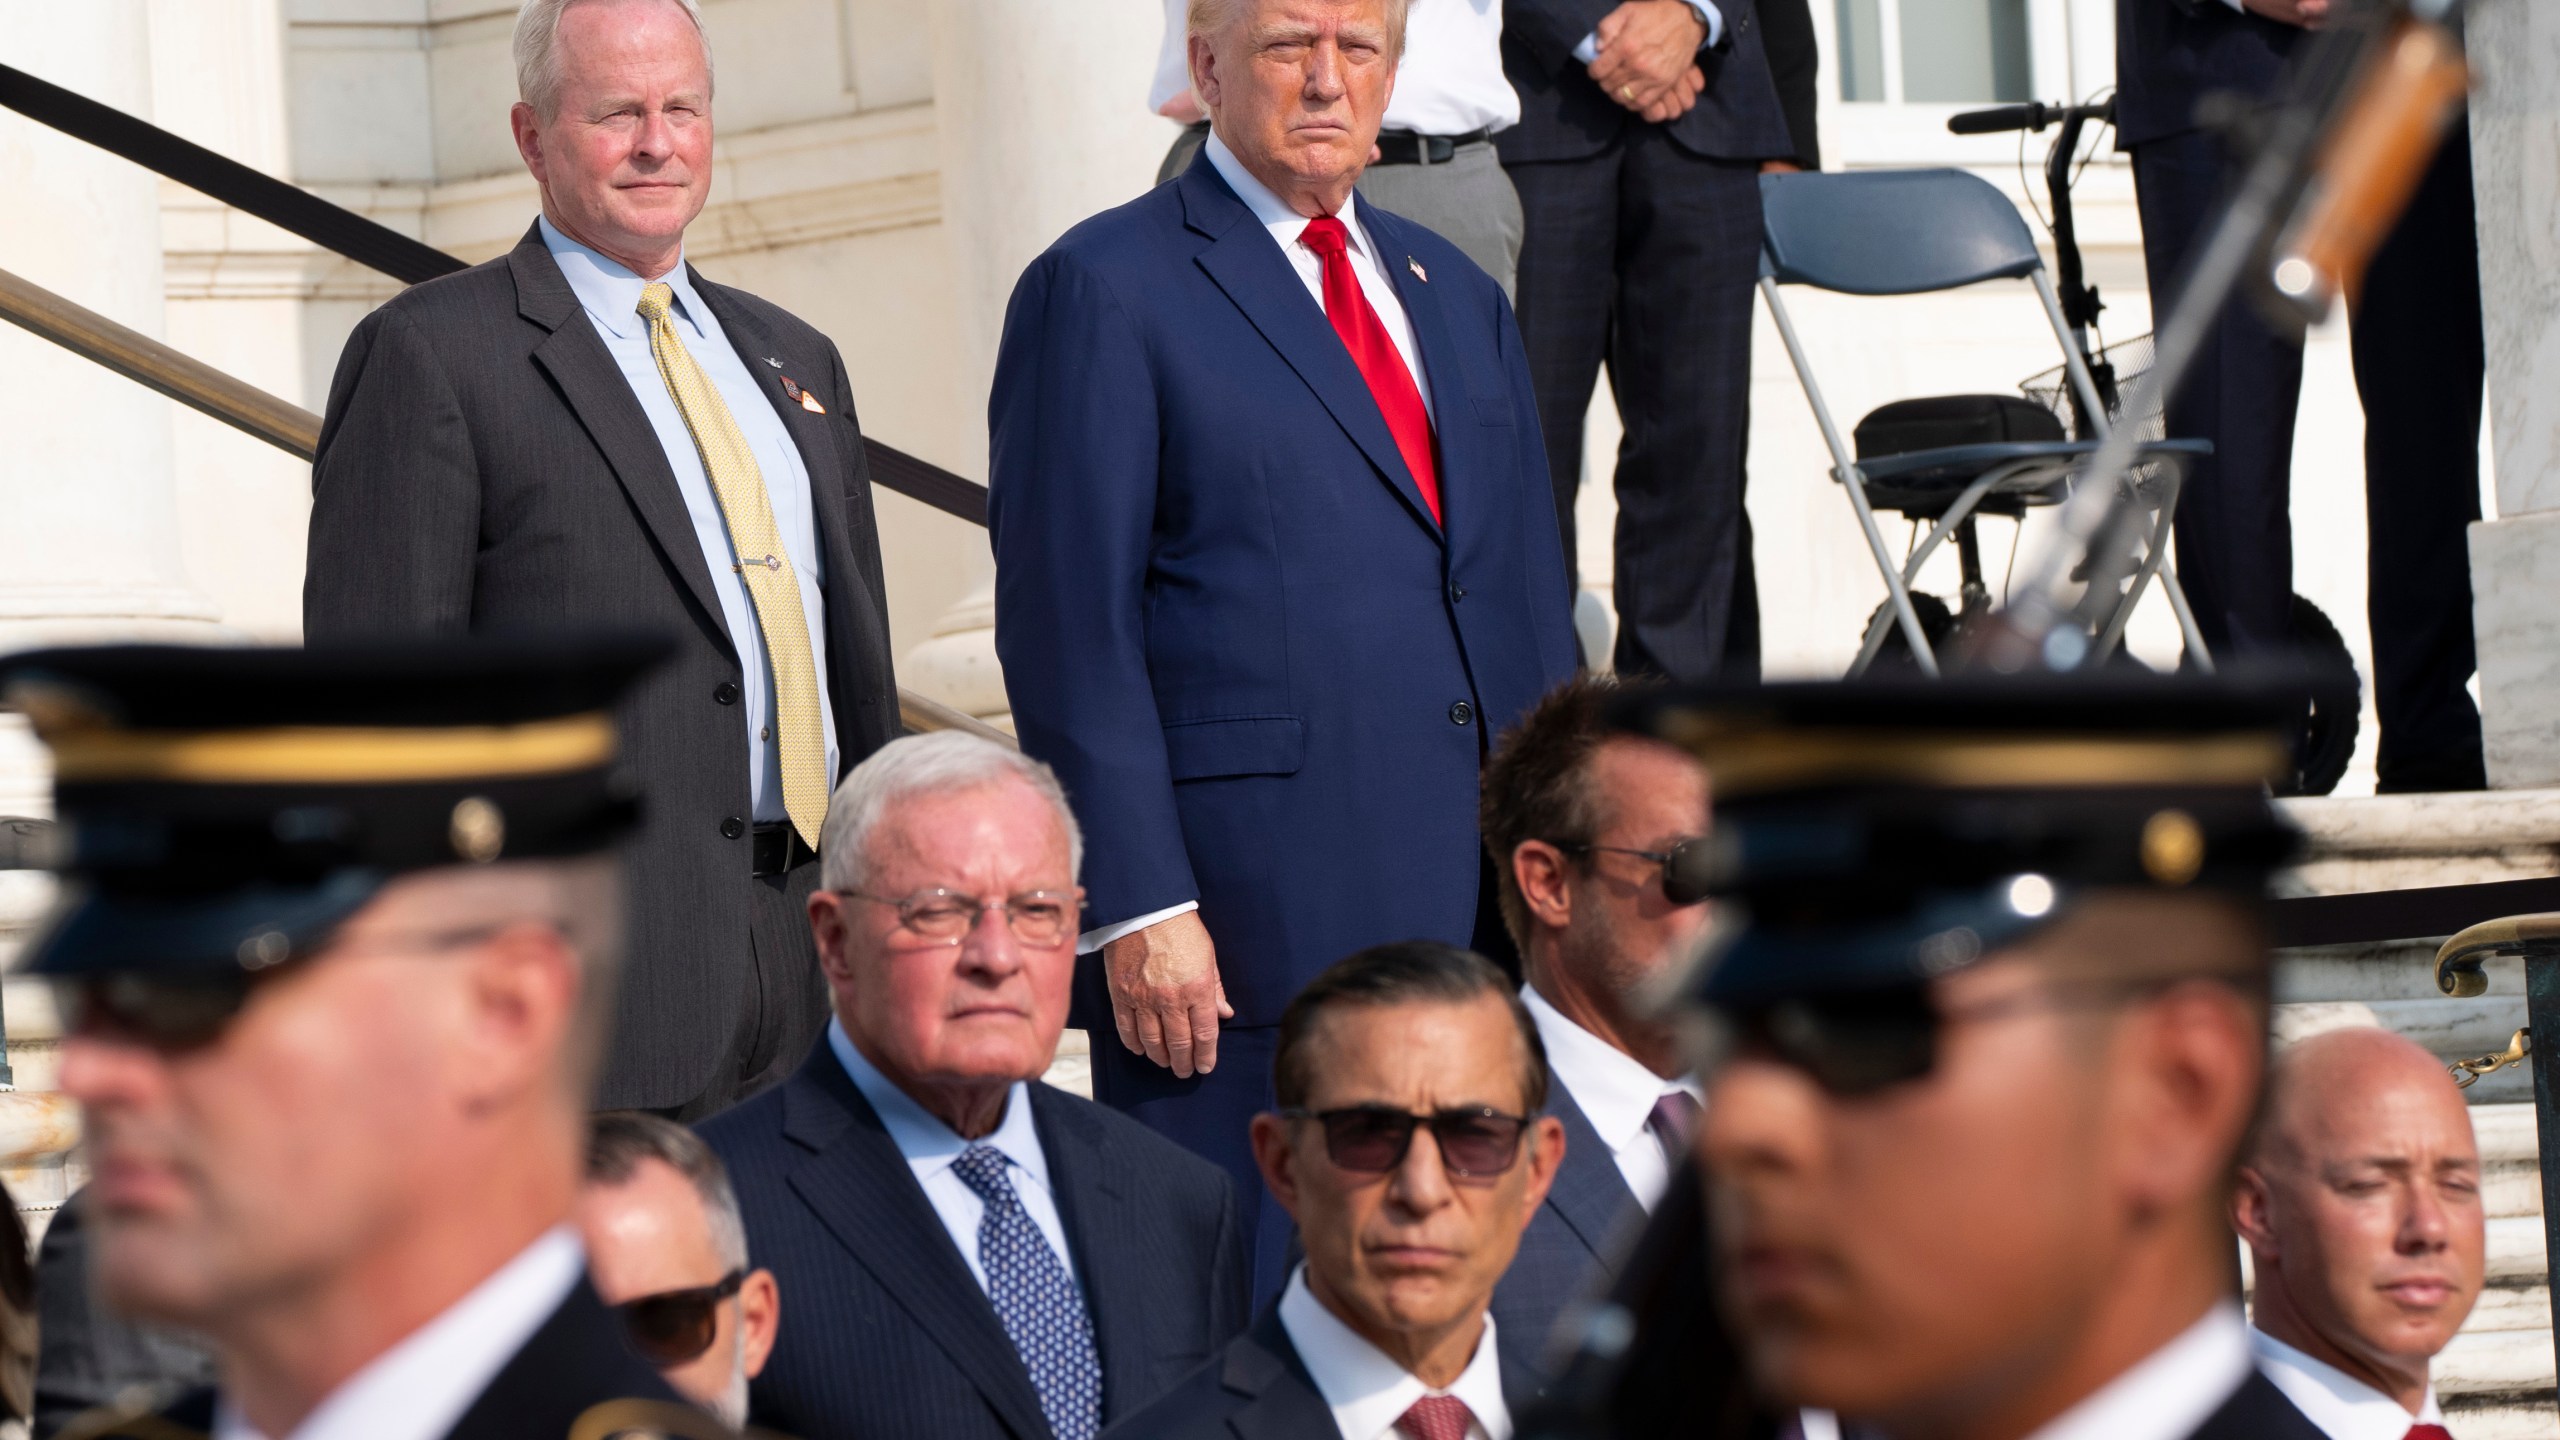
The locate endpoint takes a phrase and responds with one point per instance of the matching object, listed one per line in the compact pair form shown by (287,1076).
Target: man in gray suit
(586,431)
(1580,820)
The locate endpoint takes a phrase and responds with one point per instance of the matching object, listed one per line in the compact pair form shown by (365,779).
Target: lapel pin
(776,364)
(807,401)
(1416,267)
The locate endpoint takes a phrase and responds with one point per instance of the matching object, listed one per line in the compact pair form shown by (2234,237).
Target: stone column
(1042,112)
(2515,558)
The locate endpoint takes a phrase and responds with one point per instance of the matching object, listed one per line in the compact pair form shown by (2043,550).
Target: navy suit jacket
(885,1332)
(1226,616)
(1573,1246)
(1258,1390)
(1565,115)
(2171,53)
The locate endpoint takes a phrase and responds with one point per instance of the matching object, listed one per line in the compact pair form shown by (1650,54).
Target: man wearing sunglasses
(1410,1148)
(969,1252)
(1993,1031)
(669,1253)
(336,957)
(1583,825)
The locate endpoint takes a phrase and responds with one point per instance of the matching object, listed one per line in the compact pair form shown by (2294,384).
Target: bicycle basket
(2130,358)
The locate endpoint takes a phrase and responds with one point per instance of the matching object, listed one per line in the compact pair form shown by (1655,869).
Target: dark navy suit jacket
(884,1331)
(1226,616)
(2171,53)
(1564,114)
(1573,1246)
(1259,1390)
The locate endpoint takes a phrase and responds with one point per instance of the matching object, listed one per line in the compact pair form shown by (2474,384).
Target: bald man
(2360,1201)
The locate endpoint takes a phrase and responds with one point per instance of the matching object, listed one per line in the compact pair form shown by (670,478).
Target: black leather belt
(1403,147)
(778,849)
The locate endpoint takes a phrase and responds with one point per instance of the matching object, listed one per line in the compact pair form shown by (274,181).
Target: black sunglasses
(1475,1144)
(1687,865)
(674,1327)
(1859,1044)
(188,1012)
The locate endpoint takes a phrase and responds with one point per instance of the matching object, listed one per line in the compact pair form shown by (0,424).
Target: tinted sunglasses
(1475,1144)
(674,1327)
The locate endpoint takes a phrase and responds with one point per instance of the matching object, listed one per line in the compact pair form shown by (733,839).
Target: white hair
(537,50)
(935,764)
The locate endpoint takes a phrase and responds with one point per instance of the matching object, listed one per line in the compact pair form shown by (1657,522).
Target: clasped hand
(1648,58)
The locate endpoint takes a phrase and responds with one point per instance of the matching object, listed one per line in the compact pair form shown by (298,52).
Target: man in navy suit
(1275,555)
(1580,821)
(969,1253)
(1409,1145)
(1643,129)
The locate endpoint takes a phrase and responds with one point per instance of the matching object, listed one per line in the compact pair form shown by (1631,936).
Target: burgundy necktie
(1390,382)
(1436,1417)
(2428,1432)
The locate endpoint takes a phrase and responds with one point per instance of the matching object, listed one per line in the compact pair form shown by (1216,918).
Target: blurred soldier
(1582,824)
(336,962)
(1994,1032)
(1409,1148)
(2361,1206)
(668,1250)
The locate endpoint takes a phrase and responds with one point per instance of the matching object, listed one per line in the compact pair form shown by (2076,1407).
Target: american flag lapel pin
(1416,267)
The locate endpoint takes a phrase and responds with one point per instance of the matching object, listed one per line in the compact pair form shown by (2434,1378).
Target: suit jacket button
(1462,713)
(1457,593)
(725,692)
(733,827)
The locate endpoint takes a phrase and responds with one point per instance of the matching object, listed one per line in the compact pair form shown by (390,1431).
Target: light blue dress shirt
(930,1146)
(610,294)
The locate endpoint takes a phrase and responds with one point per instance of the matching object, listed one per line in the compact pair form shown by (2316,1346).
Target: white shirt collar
(1284,223)
(929,1145)
(2344,1407)
(418,1388)
(1614,1090)
(1367,1391)
(2171,1391)
(609,290)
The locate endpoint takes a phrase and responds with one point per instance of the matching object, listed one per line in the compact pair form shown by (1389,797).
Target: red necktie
(1435,1417)
(2428,1432)
(1399,399)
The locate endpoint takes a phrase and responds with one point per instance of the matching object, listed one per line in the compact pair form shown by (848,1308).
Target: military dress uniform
(222,812)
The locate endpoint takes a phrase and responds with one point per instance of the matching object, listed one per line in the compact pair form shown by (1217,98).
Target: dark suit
(1266,675)
(485,466)
(1258,1389)
(1573,1247)
(1641,249)
(87,1354)
(2257,1411)
(886,1331)
(574,1372)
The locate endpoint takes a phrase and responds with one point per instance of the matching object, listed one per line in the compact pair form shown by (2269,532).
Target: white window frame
(2070,53)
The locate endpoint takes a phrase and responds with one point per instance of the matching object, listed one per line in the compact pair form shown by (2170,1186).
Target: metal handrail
(272,418)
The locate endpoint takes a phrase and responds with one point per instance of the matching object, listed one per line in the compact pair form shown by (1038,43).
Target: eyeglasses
(1859,1044)
(1038,917)
(177,1014)
(1475,1144)
(674,1327)
(1681,864)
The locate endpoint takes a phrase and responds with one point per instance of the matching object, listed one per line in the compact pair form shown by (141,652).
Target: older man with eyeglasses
(970,1252)
(1409,1147)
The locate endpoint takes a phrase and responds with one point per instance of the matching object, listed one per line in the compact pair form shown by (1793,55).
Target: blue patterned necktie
(1041,1310)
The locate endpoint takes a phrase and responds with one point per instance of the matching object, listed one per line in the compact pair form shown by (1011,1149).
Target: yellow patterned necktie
(762,562)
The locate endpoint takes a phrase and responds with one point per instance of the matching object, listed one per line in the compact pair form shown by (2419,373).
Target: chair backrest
(1891,232)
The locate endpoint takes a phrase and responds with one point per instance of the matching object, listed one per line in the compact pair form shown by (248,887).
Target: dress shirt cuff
(1709,16)
(2237,5)
(1093,940)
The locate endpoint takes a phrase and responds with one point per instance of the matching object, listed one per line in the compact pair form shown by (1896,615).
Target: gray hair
(934,764)
(619,1140)
(1208,17)
(537,47)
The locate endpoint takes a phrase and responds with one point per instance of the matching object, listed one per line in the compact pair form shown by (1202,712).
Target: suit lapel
(1589,1193)
(1444,378)
(1100,1232)
(1245,263)
(576,360)
(1281,1399)
(862,1190)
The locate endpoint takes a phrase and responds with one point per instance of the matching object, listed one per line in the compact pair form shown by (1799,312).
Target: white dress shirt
(610,294)
(1285,226)
(1450,81)
(1369,1392)
(2344,1407)
(2171,1392)
(1616,1094)
(419,1388)
(930,1146)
